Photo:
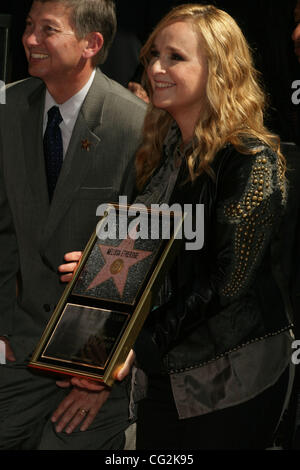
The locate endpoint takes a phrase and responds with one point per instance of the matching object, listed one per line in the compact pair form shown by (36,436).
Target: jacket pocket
(102,195)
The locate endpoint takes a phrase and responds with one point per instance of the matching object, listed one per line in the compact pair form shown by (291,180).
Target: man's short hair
(89,16)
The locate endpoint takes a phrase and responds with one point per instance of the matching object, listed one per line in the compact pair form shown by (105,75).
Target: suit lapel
(33,151)
(84,145)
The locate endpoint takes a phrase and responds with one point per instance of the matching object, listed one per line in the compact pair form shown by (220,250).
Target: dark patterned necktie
(53,148)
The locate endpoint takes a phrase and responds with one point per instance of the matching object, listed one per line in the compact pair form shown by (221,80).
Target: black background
(267,24)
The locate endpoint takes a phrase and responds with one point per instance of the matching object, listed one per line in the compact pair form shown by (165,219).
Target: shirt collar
(70,109)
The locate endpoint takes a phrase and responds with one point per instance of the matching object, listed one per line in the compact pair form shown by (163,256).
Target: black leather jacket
(229,293)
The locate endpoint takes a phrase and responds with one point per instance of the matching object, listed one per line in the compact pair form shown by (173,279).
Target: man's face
(53,52)
(296,33)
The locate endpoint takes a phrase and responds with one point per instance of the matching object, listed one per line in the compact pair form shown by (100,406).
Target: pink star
(118,260)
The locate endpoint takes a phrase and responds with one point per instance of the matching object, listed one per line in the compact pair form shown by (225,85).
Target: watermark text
(2,92)
(183,222)
(296,93)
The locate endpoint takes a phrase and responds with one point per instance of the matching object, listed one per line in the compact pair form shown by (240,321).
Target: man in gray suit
(48,209)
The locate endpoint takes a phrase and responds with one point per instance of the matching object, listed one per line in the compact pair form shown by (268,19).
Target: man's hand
(9,355)
(80,406)
(68,269)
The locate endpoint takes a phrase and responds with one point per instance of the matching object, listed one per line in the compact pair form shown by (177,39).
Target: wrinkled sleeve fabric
(9,260)
(248,207)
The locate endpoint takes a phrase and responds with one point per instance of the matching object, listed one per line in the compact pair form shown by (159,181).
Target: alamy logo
(296,94)
(296,354)
(134,224)
(2,92)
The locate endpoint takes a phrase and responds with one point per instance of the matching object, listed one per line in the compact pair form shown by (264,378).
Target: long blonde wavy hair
(235,99)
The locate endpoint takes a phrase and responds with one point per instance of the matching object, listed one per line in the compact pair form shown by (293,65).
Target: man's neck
(64,90)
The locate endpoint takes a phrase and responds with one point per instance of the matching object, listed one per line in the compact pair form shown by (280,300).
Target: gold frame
(134,325)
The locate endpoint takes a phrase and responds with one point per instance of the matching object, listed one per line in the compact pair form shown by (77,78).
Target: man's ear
(94,44)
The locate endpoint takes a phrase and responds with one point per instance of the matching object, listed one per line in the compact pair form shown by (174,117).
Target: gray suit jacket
(34,236)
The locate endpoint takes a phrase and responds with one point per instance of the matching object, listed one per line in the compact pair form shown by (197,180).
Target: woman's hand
(68,269)
(125,368)
(120,374)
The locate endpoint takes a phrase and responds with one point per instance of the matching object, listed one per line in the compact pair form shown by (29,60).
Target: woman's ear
(94,44)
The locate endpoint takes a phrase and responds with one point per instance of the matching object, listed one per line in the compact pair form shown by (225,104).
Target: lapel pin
(86,145)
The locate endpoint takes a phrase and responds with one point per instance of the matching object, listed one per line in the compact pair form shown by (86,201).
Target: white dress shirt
(69,111)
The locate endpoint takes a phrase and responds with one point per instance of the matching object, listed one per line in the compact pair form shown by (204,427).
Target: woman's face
(178,72)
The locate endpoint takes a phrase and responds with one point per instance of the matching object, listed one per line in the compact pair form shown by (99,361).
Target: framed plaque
(104,306)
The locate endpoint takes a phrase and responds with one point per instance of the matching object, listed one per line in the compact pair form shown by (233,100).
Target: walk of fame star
(117,263)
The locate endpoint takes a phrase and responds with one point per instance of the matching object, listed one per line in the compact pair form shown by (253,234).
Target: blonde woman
(216,351)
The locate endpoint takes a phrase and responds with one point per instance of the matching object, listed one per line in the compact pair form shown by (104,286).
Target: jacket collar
(83,146)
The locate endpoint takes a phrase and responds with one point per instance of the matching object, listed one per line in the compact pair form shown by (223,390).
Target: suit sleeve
(248,209)
(9,261)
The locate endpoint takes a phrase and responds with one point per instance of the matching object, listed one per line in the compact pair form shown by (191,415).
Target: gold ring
(83,411)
